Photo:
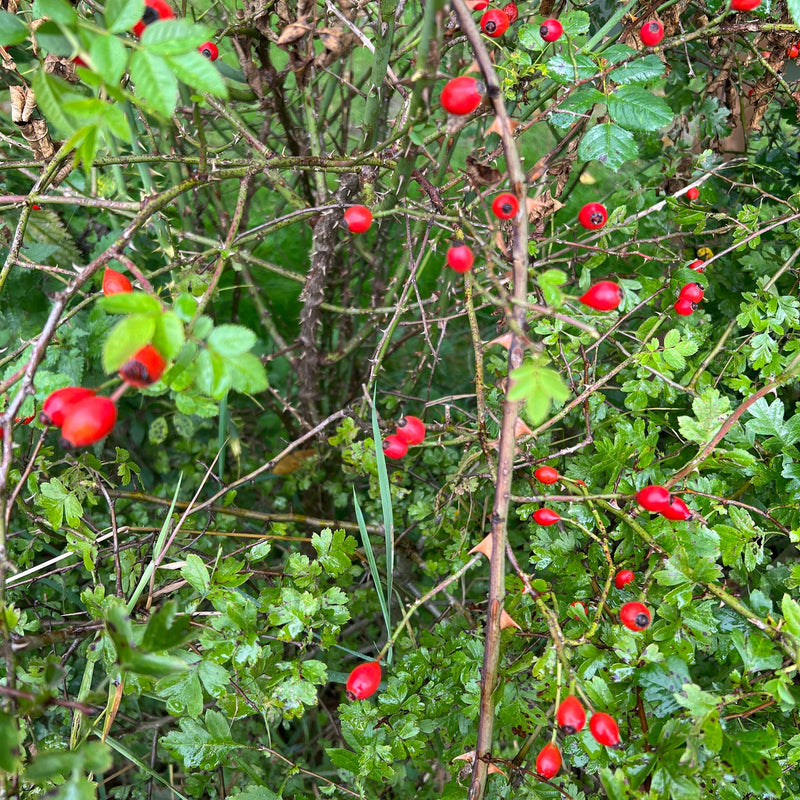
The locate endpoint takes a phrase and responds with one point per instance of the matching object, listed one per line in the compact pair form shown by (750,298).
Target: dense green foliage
(181,604)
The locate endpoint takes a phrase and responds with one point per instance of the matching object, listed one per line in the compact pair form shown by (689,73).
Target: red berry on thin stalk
(653,498)
(363,681)
(677,510)
(623,578)
(394,446)
(460,258)
(793,51)
(115,283)
(358,219)
(505,206)
(548,762)
(693,292)
(494,23)
(692,193)
(652,32)
(570,715)
(593,216)
(685,307)
(603,296)
(604,729)
(209,50)
(551,29)
(546,475)
(145,367)
(58,402)
(462,95)
(154,10)
(546,516)
(88,422)
(635,616)
(479,5)
(411,429)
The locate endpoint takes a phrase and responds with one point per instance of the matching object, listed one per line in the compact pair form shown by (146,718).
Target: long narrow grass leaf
(386,506)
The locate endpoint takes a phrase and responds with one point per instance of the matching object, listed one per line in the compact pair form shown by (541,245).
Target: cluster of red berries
(690,295)
(410,431)
(659,500)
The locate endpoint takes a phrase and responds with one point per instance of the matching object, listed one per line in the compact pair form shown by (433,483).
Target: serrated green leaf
(156,84)
(791,613)
(50,92)
(9,743)
(171,37)
(12,29)
(637,109)
(231,340)
(58,10)
(640,70)
(169,335)
(247,373)
(198,72)
(196,573)
(794,10)
(109,57)
(125,338)
(609,144)
(563,71)
(121,15)
(130,303)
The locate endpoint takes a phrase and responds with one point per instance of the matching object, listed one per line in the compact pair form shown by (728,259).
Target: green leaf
(121,15)
(12,30)
(50,92)
(130,303)
(575,23)
(609,144)
(710,411)
(791,614)
(9,743)
(110,58)
(566,112)
(197,746)
(170,37)
(247,373)
(196,574)
(538,387)
(166,628)
(794,10)
(642,70)
(198,72)
(563,71)
(153,665)
(231,340)
(169,336)
(637,109)
(58,10)
(126,337)
(51,39)
(335,550)
(156,85)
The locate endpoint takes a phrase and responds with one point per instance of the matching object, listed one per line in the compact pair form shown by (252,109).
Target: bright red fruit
(548,762)
(88,422)
(623,578)
(57,403)
(677,510)
(358,219)
(693,292)
(546,475)
(146,367)
(570,715)
(593,216)
(209,50)
(604,729)
(462,95)
(394,446)
(745,5)
(479,5)
(494,23)
(411,429)
(511,11)
(685,307)
(115,282)
(698,265)
(154,10)
(653,498)
(635,616)
(546,516)
(603,296)
(363,681)
(793,51)
(505,206)
(652,32)
(692,193)
(551,29)
(460,258)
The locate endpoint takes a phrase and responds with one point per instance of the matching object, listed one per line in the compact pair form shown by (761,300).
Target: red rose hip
(692,193)
(505,206)
(546,475)
(653,498)
(546,516)
(570,715)
(411,429)
(603,296)
(604,729)
(593,216)
(209,50)
(146,367)
(494,22)
(460,258)
(623,578)
(462,95)
(363,681)
(115,283)
(550,30)
(57,403)
(154,10)
(394,446)
(635,616)
(652,32)
(548,762)
(358,219)
(88,422)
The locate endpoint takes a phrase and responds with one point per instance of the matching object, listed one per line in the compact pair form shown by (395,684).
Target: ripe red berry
(145,367)
(462,95)
(692,193)
(479,5)
(505,206)
(209,50)
(551,29)
(693,292)
(358,219)
(394,446)
(652,32)
(603,296)
(494,23)
(411,429)
(115,282)
(677,510)
(685,307)
(698,265)
(511,11)
(88,421)
(34,206)
(57,403)
(154,10)
(653,498)
(793,51)
(570,715)
(548,762)
(363,681)
(546,475)
(623,578)
(593,216)
(635,616)
(744,5)
(604,729)
(546,516)
(460,258)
